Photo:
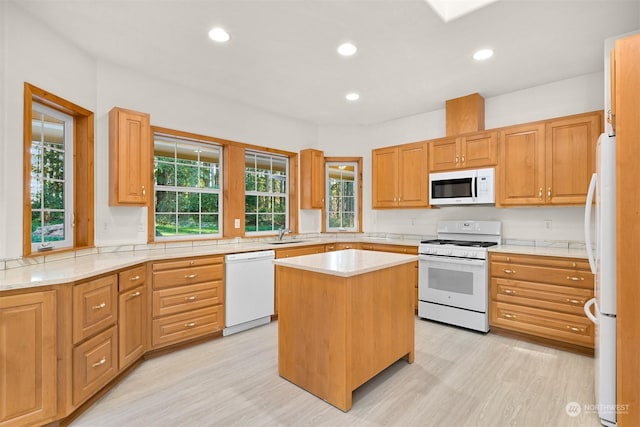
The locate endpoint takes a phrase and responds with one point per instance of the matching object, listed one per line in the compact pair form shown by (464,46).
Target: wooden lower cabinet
(95,363)
(542,297)
(28,358)
(133,303)
(187,300)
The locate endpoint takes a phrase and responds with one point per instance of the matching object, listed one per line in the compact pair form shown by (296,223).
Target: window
(57,173)
(187,188)
(266,192)
(51,179)
(343,199)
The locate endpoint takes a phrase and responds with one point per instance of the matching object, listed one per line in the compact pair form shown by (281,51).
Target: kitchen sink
(285,242)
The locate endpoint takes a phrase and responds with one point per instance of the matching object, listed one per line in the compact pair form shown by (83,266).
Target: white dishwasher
(249,290)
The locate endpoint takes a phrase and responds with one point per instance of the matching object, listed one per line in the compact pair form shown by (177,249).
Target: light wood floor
(459,378)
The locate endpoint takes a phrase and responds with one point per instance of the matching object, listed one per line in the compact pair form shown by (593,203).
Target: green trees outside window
(342,196)
(266,192)
(187,187)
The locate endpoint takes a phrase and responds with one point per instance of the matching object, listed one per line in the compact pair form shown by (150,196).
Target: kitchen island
(343,317)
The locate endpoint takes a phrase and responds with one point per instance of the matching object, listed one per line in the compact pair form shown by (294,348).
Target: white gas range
(453,283)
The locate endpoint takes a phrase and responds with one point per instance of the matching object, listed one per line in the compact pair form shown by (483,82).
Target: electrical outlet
(236,223)
(547,224)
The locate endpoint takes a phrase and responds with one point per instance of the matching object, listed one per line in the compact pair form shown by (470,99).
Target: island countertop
(346,263)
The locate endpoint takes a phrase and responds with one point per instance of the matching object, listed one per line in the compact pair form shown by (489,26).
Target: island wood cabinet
(548,163)
(132,315)
(188,298)
(542,296)
(312,182)
(400,176)
(291,252)
(470,151)
(28,372)
(130,158)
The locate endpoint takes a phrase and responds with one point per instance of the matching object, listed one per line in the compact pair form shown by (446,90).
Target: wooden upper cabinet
(384,169)
(400,176)
(130,157)
(28,372)
(548,163)
(570,157)
(312,183)
(521,171)
(470,151)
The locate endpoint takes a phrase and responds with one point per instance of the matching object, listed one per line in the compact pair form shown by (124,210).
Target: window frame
(83,168)
(194,143)
(67,210)
(285,194)
(358,202)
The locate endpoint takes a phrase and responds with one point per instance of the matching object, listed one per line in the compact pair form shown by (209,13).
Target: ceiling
(282,53)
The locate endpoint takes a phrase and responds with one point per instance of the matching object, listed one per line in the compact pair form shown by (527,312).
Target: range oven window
(451,188)
(459,282)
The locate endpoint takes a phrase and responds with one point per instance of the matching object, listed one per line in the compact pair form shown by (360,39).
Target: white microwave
(465,187)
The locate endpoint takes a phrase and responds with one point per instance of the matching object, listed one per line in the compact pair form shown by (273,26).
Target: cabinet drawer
(550,297)
(543,261)
(94,306)
(558,276)
(194,262)
(95,362)
(562,327)
(187,276)
(179,327)
(399,249)
(190,297)
(131,278)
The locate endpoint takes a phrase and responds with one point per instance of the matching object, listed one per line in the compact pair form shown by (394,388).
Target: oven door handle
(452,260)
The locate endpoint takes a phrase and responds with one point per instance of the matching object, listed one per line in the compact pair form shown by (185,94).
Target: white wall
(58,66)
(576,95)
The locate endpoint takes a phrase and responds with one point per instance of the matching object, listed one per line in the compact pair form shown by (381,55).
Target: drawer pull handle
(190,276)
(100,363)
(574,278)
(134,278)
(575,301)
(506,270)
(575,329)
(190,325)
(191,298)
(509,291)
(135,294)
(509,316)
(99,306)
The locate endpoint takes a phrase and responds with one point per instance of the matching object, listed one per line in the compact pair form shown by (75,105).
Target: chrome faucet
(282,231)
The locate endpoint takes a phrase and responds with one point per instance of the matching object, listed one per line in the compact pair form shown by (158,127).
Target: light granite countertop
(346,263)
(63,268)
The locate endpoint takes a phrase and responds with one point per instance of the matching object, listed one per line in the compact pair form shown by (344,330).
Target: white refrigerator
(601,249)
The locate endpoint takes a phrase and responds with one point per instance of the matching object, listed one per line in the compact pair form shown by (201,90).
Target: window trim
(357,160)
(219,192)
(83,169)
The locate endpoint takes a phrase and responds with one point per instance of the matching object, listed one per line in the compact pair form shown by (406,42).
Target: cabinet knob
(509,316)
(509,291)
(190,325)
(191,298)
(99,306)
(540,194)
(574,301)
(462,159)
(135,294)
(144,191)
(190,276)
(456,160)
(507,271)
(574,278)
(549,193)
(575,329)
(134,278)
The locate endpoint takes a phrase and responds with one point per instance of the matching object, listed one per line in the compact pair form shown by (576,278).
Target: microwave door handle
(474,186)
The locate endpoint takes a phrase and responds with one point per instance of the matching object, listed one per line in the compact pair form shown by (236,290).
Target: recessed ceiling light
(219,35)
(352,96)
(347,49)
(483,54)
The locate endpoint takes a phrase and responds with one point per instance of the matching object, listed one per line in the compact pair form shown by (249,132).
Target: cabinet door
(479,150)
(28,372)
(312,179)
(132,325)
(413,176)
(130,157)
(385,177)
(94,306)
(444,154)
(570,157)
(521,176)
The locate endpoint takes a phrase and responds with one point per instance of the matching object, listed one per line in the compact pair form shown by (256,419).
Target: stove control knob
(463,253)
(446,252)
